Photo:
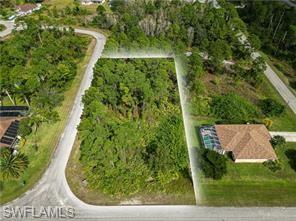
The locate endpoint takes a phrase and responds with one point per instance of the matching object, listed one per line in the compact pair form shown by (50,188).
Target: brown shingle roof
(26,7)
(249,141)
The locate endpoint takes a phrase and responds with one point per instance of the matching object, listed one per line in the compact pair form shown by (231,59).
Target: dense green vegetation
(132,135)
(275,24)
(232,108)
(212,163)
(177,24)
(37,68)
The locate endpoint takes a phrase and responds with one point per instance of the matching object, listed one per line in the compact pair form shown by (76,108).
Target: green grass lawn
(47,138)
(253,184)
(248,184)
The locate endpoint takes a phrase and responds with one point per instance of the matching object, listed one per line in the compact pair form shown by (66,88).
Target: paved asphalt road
(280,86)
(53,190)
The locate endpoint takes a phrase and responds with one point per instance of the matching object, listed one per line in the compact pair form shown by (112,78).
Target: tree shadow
(291,155)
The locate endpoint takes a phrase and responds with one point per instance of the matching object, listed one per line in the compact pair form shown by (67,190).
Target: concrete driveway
(289,136)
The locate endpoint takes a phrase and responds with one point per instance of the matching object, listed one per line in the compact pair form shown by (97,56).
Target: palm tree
(12,166)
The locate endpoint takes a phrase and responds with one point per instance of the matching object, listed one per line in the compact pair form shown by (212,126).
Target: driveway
(289,136)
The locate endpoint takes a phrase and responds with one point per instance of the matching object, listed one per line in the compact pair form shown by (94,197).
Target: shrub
(212,163)
(25,128)
(277,141)
(271,108)
(233,109)
(273,165)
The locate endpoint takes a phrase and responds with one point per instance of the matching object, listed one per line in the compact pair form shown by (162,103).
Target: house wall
(250,160)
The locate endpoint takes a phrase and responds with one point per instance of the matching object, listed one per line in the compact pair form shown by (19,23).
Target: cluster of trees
(131,132)
(212,164)
(36,66)
(177,24)
(251,71)
(275,24)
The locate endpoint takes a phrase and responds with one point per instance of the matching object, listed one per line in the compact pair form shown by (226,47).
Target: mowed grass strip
(47,137)
(243,193)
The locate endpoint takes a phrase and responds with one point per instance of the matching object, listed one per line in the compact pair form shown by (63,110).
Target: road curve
(53,190)
(9,25)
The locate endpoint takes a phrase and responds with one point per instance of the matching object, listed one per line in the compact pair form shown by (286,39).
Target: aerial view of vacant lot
(131,144)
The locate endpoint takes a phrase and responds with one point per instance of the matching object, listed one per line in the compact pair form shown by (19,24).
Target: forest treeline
(178,24)
(274,22)
(132,134)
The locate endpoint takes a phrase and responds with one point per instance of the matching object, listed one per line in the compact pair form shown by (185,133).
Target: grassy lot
(253,185)
(179,192)
(47,138)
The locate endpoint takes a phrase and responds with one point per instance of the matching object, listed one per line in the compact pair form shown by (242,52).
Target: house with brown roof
(28,8)
(248,143)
